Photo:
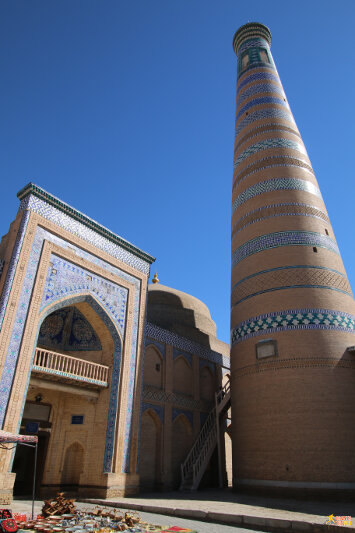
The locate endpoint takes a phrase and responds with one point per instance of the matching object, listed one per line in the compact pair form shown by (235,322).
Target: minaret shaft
(292,309)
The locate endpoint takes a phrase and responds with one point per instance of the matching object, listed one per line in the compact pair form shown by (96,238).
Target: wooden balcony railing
(70,367)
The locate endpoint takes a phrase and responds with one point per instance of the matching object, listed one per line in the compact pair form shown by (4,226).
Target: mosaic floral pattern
(291,320)
(283,238)
(269,143)
(68,329)
(275,184)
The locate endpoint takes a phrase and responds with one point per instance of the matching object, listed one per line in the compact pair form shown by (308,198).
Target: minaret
(292,310)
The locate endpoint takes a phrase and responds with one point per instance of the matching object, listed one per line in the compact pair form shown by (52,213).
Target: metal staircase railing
(194,466)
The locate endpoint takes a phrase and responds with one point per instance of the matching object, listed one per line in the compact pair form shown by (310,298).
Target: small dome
(180,312)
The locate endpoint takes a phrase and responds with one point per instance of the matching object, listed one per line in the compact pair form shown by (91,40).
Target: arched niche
(150,454)
(73,465)
(183,376)
(182,440)
(207,383)
(153,367)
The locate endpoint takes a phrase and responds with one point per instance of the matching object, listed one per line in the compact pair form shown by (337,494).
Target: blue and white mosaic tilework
(269,143)
(261,76)
(260,101)
(264,113)
(253,43)
(64,279)
(163,335)
(20,319)
(13,264)
(259,88)
(79,229)
(177,352)
(275,184)
(159,409)
(294,319)
(188,414)
(283,238)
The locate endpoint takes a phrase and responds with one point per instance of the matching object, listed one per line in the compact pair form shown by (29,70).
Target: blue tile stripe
(271,162)
(259,88)
(257,76)
(260,210)
(275,184)
(261,101)
(283,238)
(290,320)
(289,267)
(260,114)
(267,144)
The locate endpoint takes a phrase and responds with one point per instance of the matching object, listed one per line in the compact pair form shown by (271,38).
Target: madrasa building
(123,381)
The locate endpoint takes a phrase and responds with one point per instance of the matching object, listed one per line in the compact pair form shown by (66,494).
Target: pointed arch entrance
(76,370)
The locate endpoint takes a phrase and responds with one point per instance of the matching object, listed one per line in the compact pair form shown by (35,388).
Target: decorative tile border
(168,337)
(275,184)
(258,76)
(259,88)
(269,143)
(294,319)
(13,265)
(274,161)
(156,395)
(283,238)
(261,101)
(188,414)
(158,409)
(252,43)
(261,129)
(260,114)
(74,377)
(278,210)
(289,277)
(89,234)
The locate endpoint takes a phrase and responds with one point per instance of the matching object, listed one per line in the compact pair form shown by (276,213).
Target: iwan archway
(72,398)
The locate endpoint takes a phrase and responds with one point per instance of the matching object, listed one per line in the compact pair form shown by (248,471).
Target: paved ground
(237,510)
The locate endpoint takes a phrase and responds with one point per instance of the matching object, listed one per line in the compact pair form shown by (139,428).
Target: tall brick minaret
(292,310)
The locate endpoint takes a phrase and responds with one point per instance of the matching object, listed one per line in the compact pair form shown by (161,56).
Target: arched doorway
(150,451)
(75,370)
(181,445)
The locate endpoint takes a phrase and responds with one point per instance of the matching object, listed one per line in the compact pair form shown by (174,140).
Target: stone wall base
(7,480)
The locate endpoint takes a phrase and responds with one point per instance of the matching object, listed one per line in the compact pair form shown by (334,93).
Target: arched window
(183,378)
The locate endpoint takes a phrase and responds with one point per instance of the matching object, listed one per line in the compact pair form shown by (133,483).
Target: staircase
(200,454)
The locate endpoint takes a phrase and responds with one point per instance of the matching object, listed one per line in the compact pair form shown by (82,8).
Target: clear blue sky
(125,110)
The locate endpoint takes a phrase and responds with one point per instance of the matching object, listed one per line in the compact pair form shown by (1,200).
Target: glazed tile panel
(275,184)
(282,238)
(269,143)
(294,319)
(79,229)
